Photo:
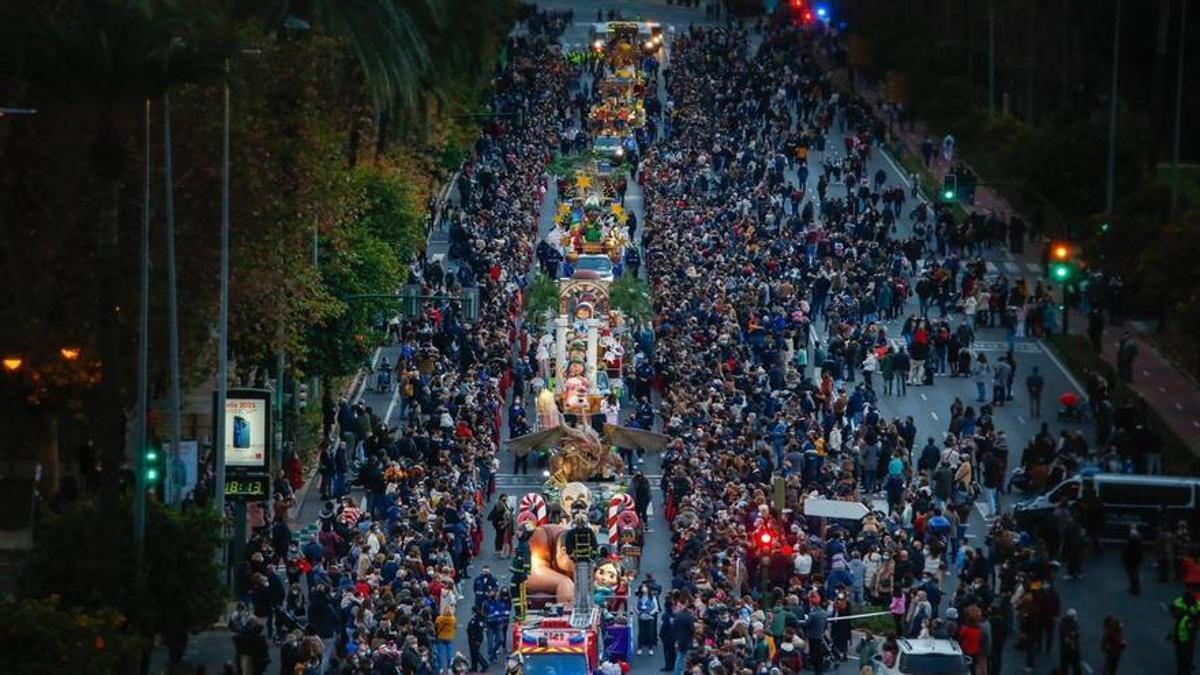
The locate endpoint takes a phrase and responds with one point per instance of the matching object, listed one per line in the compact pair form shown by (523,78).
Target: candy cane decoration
(616,505)
(536,504)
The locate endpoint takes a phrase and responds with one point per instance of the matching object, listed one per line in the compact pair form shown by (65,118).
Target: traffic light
(152,466)
(764,540)
(302,396)
(949,187)
(1064,261)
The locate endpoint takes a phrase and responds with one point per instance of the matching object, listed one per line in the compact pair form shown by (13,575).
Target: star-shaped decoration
(617,209)
(583,181)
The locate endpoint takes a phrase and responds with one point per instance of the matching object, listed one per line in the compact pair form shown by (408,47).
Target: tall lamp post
(139,494)
(223,318)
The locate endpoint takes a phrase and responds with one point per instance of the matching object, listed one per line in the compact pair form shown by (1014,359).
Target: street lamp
(69,353)
(12,363)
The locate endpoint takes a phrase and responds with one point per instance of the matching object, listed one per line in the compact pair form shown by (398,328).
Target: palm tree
(389,40)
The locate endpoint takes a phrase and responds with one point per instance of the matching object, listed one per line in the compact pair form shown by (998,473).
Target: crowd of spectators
(773,308)
(374,590)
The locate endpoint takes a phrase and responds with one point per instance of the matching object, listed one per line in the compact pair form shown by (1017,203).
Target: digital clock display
(246,486)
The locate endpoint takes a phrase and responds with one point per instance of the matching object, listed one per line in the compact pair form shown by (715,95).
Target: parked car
(926,656)
(1128,500)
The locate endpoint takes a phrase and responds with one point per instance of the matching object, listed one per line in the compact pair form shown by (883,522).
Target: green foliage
(364,254)
(631,296)
(42,637)
(179,591)
(387,208)
(541,297)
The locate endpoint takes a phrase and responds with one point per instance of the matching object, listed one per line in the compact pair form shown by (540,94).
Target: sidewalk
(1169,393)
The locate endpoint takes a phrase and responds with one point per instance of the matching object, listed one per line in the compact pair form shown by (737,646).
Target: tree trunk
(381,135)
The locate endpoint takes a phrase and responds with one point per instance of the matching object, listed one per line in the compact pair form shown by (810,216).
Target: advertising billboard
(247,429)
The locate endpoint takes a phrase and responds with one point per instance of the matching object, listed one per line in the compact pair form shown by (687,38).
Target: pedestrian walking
(502,519)
(1069,659)
(1035,384)
(1112,643)
(980,371)
(476,632)
(647,613)
(1131,558)
(1185,612)
(446,627)
(1127,351)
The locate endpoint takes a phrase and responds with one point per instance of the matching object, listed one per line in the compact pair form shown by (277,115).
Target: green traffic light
(948,194)
(151,455)
(152,474)
(1061,272)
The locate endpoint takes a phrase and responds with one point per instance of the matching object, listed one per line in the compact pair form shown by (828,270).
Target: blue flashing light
(822,11)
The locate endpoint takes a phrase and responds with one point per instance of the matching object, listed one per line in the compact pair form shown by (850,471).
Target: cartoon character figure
(575,498)
(552,571)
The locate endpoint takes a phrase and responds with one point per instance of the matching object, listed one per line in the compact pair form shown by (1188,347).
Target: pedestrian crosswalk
(1012,267)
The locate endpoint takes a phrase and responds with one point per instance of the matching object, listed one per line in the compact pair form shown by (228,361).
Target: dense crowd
(746,265)
(771,348)
(374,590)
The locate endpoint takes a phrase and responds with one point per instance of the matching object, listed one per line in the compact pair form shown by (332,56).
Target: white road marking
(1146,373)
(1020,419)
(1061,368)
(1179,407)
(901,173)
(387,416)
(923,397)
(362,387)
(1196,423)
(1020,347)
(1033,267)
(1087,668)
(934,416)
(1012,267)
(1161,390)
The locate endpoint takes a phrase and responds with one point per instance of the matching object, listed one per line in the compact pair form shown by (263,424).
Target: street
(1101,590)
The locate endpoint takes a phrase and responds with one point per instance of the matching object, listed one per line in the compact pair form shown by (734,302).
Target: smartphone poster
(246,439)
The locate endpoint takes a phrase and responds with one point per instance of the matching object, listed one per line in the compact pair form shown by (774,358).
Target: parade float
(582,531)
(574,606)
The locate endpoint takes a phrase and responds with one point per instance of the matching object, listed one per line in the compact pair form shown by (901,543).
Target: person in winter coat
(476,632)
(1069,645)
(648,610)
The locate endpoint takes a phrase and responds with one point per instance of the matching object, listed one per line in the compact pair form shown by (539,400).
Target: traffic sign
(835,508)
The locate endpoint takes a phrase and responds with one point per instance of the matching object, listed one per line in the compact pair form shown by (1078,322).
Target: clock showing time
(246,486)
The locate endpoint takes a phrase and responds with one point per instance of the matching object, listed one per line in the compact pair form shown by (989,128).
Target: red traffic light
(808,16)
